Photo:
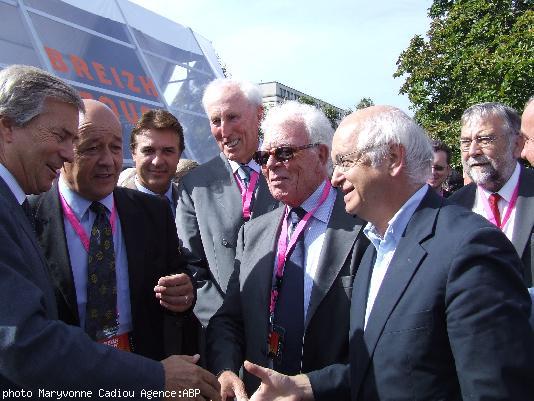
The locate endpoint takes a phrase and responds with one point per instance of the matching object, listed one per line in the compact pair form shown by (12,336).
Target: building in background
(275,92)
(119,53)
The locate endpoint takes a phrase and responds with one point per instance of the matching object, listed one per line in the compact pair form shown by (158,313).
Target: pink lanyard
(284,248)
(247,193)
(77,226)
(511,205)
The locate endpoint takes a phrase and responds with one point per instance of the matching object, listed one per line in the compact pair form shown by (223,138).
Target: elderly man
(217,197)
(527,128)
(439,310)
(502,190)
(288,289)
(68,212)
(156,142)
(38,123)
(441,167)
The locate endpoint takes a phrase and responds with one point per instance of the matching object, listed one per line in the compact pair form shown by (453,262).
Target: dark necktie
(289,312)
(101,309)
(28,212)
(494,206)
(244,173)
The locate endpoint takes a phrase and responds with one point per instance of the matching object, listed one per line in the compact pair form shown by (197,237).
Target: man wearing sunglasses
(217,197)
(440,167)
(439,309)
(502,190)
(287,302)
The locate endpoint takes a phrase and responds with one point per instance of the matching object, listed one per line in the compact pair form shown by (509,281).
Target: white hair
(214,89)
(394,127)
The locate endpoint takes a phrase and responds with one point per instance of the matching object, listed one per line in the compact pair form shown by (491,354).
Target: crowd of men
(262,273)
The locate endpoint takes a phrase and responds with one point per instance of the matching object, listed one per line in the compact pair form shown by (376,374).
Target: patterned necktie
(494,206)
(101,309)
(244,174)
(289,312)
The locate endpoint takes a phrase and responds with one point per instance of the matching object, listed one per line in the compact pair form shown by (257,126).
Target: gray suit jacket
(523,236)
(239,330)
(36,349)
(208,218)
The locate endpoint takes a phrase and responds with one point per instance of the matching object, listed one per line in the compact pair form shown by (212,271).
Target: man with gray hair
(502,190)
(217,197)
(294,266)
(439,310)
(38,123)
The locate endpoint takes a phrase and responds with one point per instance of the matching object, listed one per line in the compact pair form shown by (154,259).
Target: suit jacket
(523,235)
(130,183)
(450,321)
(208,218)
(151,249)
(239,330)
(36,349)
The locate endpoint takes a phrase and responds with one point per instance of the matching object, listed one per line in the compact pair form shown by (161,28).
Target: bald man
(527,129)
(141,248)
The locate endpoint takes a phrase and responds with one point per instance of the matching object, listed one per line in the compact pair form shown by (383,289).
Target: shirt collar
(145,190)
(252,164)
(79,204)
(322,213)
(12,183)
(507,189)
(398,222)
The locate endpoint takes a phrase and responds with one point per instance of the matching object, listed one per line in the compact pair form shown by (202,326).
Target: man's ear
(397,159)
(519,145)
(6,129)
(324,153)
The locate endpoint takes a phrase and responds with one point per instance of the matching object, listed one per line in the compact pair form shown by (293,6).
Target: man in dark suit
(38,122)
(491,142)
(441,167)
(294,159)
(156,143)
(219,196)
(439,310)
(145,242)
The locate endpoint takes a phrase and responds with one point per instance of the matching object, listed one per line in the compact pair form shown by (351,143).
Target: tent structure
(119,53)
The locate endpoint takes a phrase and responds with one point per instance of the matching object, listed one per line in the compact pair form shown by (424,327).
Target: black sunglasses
(281,153)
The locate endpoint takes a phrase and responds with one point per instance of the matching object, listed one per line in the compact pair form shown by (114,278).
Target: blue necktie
(244,174)
(289,312)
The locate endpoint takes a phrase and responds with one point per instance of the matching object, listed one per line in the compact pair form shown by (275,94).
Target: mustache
(477,160)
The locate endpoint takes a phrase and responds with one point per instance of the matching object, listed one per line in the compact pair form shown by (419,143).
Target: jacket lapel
(51,233)
(225,190)
(341,234)
(524,218)
(408,257)
(132,231)
(263,202)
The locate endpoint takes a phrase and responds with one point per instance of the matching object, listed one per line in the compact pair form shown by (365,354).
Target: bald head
(527,128)
(97,153)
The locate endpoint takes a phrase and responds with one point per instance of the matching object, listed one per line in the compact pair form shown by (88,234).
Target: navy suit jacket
(523,235)
(151,249)
(450,321)
(36,349)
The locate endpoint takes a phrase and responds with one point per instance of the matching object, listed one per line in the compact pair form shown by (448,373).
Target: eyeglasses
(281,153)
(481,141)
(344,163)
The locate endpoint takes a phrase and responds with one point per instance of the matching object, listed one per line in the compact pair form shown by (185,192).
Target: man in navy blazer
(38,123)
(439,310)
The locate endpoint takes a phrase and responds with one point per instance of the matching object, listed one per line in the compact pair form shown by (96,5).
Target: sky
(338,51)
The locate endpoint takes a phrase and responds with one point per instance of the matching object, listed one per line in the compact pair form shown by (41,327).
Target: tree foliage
(330,112)
(364,103)
(475,51)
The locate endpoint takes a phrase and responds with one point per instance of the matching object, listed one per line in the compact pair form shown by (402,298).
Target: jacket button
(224,242)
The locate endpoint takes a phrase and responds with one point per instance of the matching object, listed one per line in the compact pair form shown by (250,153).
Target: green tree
(475,51)
(364,103)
